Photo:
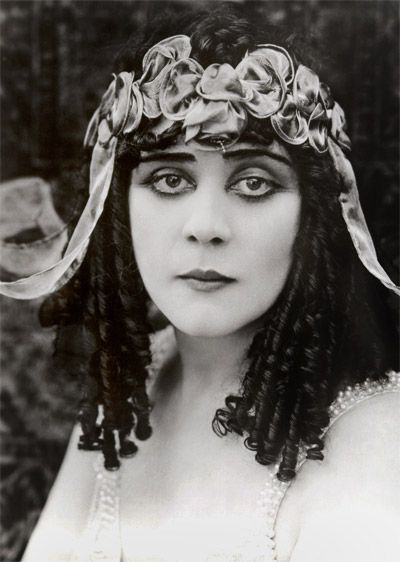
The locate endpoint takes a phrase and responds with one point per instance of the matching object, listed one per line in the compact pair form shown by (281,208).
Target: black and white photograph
(200,281)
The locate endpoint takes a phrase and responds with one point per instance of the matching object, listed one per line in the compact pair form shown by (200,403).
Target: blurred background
(56,61)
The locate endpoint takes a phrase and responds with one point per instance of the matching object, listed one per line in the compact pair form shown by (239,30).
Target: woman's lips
(206,280)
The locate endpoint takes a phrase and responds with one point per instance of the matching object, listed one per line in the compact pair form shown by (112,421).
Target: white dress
(100,539)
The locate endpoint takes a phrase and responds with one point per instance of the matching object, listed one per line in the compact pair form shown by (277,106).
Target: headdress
(212,106)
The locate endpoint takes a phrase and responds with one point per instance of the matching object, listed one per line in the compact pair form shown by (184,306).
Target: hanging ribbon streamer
(355,220)
(48,280)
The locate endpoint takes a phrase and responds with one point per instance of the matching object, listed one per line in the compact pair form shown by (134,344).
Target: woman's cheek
(148,229)
(273,234)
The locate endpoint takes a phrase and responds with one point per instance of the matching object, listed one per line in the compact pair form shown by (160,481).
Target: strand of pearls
(271,497)
(355,394)
(101,540)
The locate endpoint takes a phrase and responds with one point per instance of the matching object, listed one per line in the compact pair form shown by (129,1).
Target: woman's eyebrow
(246,152)
(170,156)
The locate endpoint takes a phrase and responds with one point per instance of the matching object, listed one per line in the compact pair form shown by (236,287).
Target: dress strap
(274,491)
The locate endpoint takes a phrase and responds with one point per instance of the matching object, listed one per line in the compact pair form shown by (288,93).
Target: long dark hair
(325,330)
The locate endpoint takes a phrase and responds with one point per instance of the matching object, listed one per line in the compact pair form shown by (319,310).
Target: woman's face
(213,232)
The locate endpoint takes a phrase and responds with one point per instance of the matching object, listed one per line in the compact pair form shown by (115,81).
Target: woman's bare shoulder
(368,431)
(354,508)
(66,510)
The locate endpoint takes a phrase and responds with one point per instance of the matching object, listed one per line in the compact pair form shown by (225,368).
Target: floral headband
(214,103)
(212,106)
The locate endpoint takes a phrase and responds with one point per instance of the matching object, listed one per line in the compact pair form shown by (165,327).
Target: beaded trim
(274,491)
(101,539)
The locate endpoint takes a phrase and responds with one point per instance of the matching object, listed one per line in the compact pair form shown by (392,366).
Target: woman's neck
(213,365)
(196,382)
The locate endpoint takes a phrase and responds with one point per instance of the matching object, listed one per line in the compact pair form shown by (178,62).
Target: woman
(219,191)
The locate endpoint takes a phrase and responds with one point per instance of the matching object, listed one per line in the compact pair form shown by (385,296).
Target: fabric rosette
(157,62)
(265,74)
(206,101)
(304,114)
(120,111)
(214,102)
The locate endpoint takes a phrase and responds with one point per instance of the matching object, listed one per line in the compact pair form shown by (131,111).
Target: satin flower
(303,116)
(266,74)
(156,63)
(194,95)
(120,111)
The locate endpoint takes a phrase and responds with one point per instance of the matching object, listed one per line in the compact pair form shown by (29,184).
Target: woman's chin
(204,331)
(209,326)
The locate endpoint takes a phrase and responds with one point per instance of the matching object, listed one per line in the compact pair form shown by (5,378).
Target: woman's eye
(253,187)
(170,183)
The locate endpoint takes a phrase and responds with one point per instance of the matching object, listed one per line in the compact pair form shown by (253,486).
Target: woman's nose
(206,221)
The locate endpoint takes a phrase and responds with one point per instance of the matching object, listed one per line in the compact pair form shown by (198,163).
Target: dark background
(56,61)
